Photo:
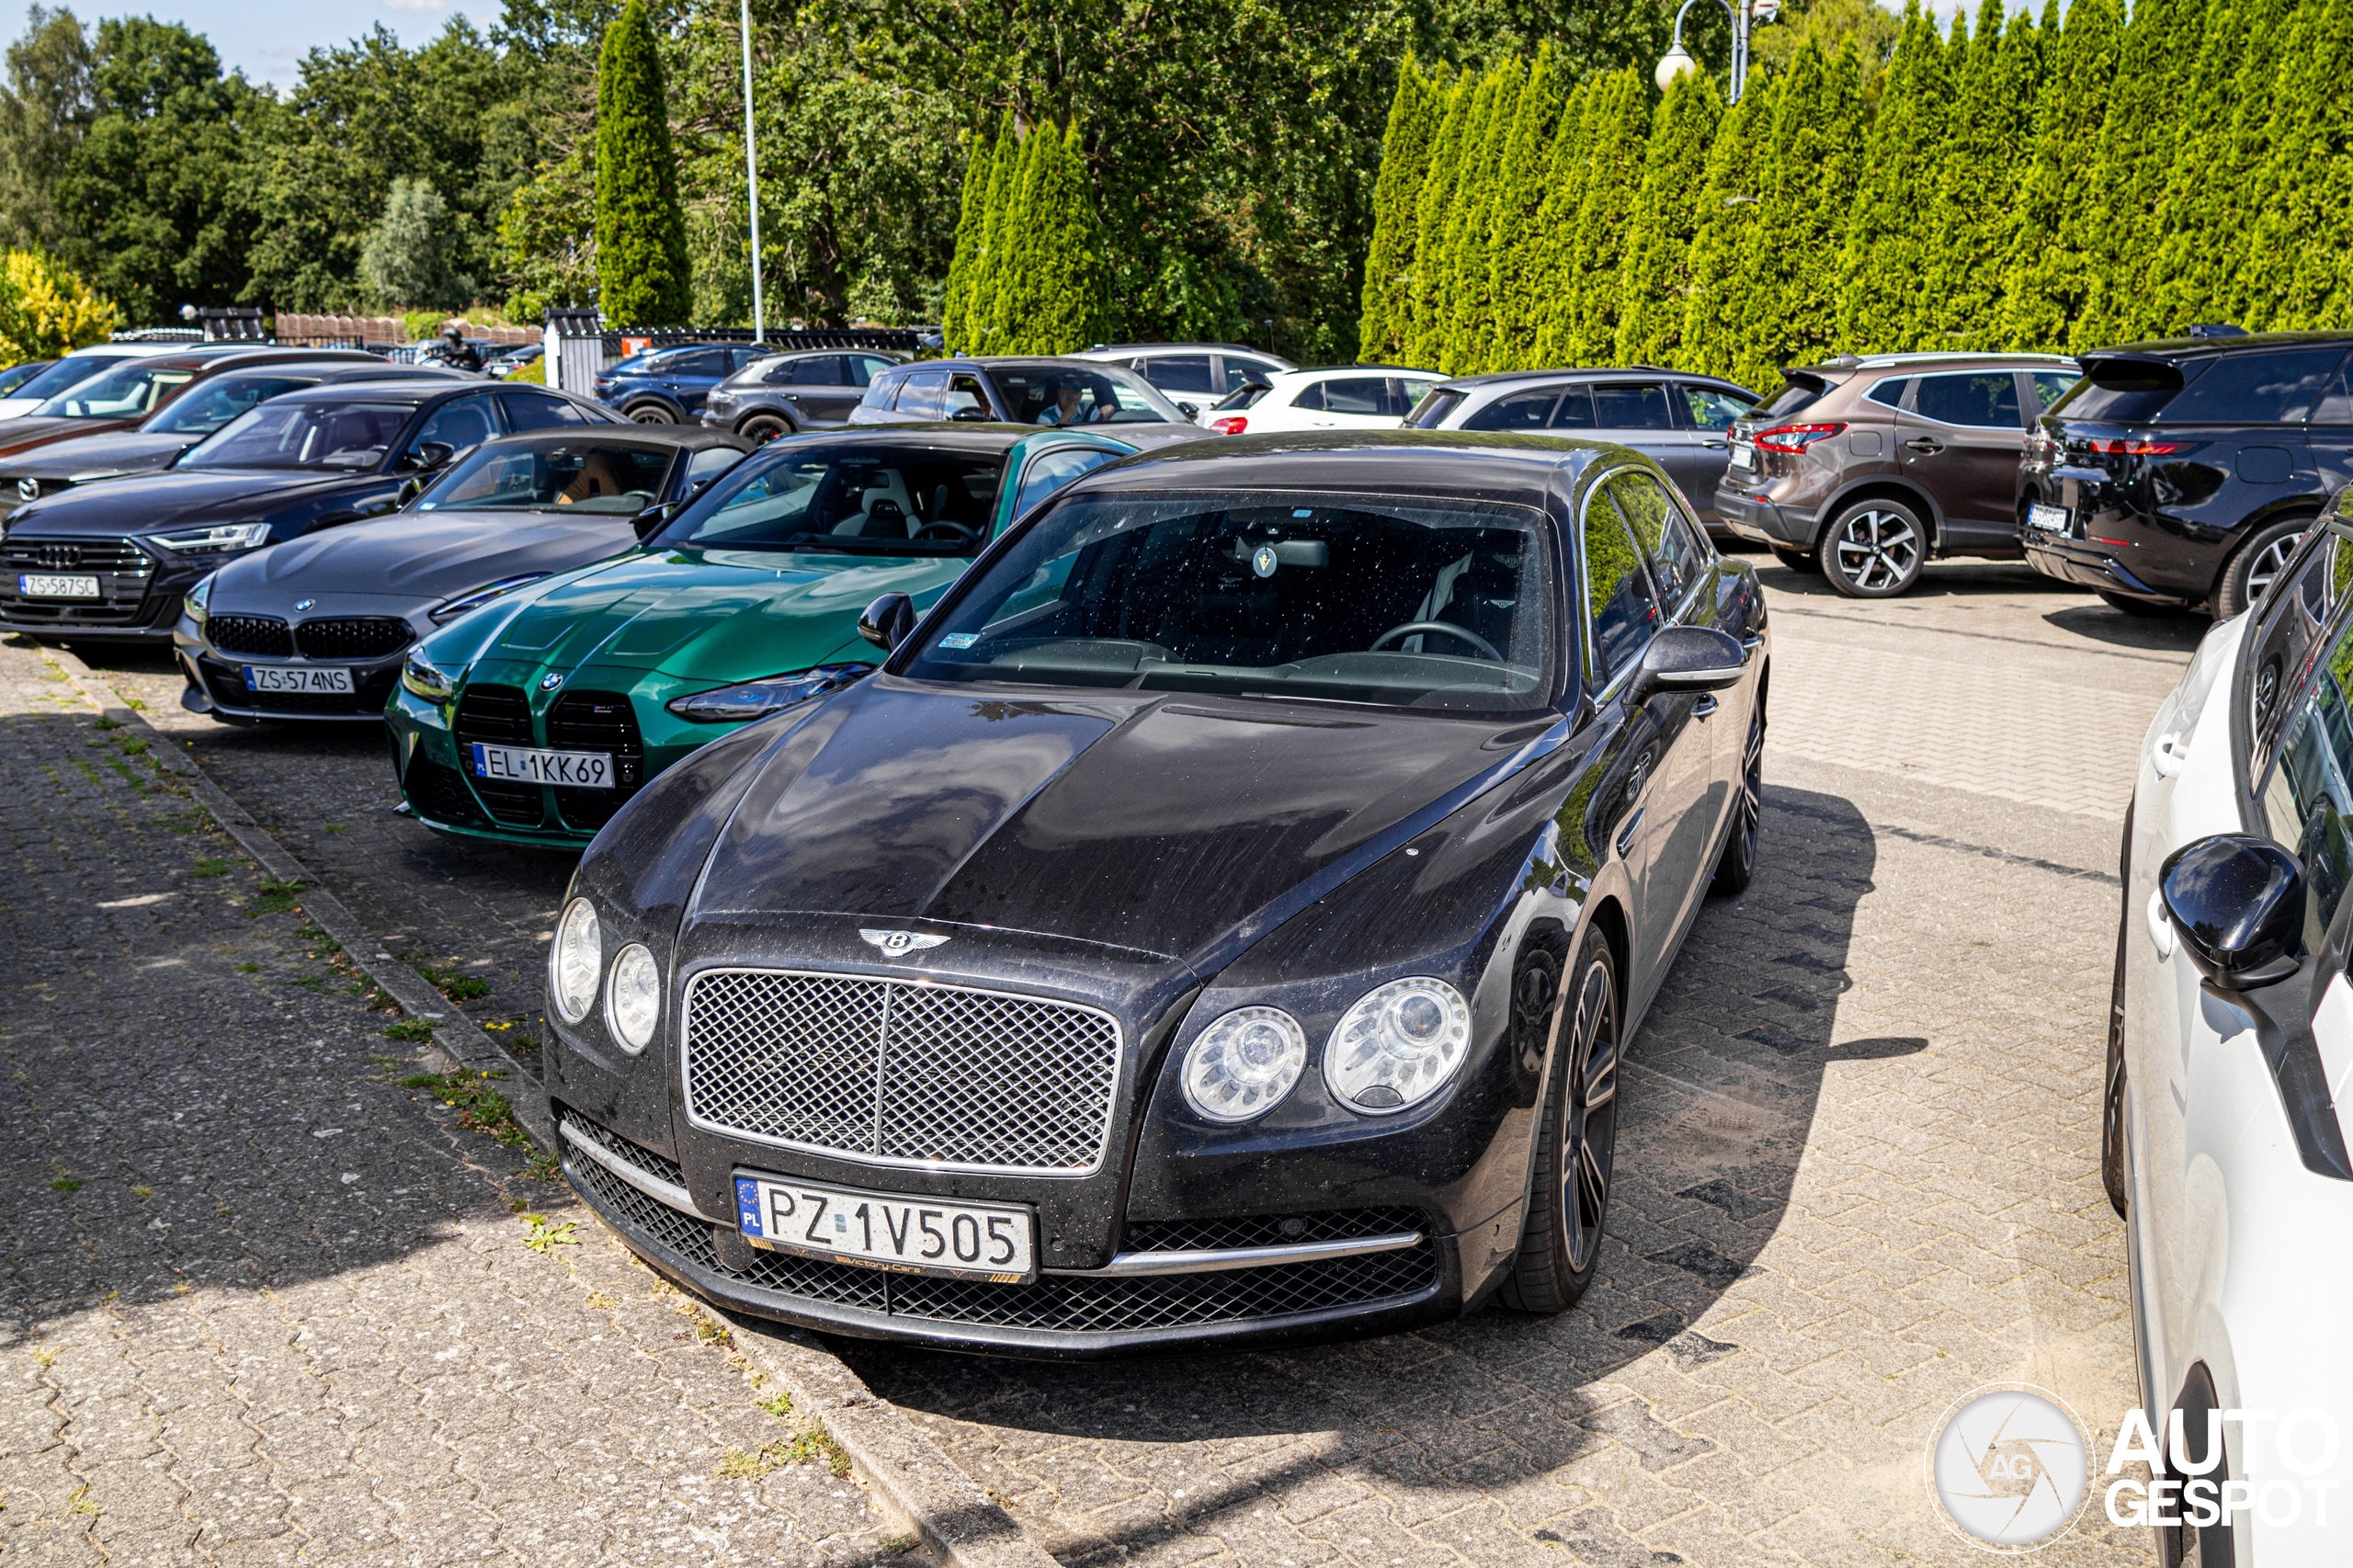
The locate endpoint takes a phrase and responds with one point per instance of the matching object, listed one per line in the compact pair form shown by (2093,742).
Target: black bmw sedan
(1217,920)
(110,562)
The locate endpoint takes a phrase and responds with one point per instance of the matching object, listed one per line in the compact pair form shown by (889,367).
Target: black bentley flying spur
(1217,921)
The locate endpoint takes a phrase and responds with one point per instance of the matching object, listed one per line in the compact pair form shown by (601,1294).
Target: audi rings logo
(57,557)
(2009,1467)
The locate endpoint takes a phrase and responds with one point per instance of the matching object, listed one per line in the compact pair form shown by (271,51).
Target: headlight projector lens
(1244,1064)
(1398,1045)
(634,998)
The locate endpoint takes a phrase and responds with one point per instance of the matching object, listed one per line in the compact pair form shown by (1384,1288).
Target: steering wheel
(944,529)
(1459,634)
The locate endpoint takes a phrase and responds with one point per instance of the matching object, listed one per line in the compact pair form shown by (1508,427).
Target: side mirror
(973,416)
(410,488)
(1688,658)
(647,523)
(1189,410)
(426,456)
(2237,905)
(886,621)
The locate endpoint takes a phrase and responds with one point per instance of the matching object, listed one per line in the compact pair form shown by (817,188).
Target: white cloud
(426,7)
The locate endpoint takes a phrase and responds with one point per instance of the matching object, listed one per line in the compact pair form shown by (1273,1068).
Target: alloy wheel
(1748,806)
(1877,550)
(1589,1111)
(2267,563)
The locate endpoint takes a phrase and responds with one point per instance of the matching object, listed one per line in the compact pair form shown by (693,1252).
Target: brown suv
(1863,469)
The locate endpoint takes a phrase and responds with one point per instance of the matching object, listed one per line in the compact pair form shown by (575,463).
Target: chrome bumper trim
(653,1187)
(1214,1261)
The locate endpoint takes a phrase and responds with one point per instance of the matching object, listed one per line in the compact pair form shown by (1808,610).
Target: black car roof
(392,388)
(2214,348)
(1494,466)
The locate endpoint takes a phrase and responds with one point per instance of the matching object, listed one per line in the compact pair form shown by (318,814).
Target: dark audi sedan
(2184,472)
(1217,920)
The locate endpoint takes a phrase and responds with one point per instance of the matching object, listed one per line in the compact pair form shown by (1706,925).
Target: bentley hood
(415,559)
(1153,820)
(711,614)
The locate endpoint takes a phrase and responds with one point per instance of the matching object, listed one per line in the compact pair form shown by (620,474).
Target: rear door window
(1632,405)
(1712,408)
(817,370)
(923,394)
(1618,596)
(1659,529)
(1987,400)
(1574,410)
(2279,388)
(461,423)
(1359,394)
(537,411)
(2049,386)
(1517,411)
(864,367)
(1176,373)
(1048,471)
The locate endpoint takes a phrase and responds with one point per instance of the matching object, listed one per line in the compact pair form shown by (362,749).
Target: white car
(2230,1058)
(1340,397)
(72,369)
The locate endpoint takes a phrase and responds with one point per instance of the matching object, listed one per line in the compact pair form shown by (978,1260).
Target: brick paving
(259,1303)
(1857,1168)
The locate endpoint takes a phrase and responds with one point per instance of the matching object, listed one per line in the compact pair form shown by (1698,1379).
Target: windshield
(16,376)
(208,407)
(127,392)
(1100,394)
(1405,602)
(569,474)
(865,500)
(303,434)
(70,371)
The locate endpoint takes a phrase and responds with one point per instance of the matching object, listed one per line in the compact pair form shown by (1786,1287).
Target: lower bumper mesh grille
(1056,1304)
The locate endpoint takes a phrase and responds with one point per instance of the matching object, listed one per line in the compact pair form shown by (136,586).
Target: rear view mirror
(1688,658)
(887,620)
(2236,903)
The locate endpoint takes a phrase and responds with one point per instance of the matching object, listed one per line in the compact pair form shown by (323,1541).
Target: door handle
(1923,444)
(1634,826)
(1705,706)
(1750,643)
(2160,925)
(2169,756)
(1714,446)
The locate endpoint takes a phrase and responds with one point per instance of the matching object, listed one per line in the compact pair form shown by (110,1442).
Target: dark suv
(2184,472)
(792,393)
(1864,468)
(667,386)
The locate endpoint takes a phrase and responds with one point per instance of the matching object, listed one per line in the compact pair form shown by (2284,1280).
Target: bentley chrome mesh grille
(899,1072)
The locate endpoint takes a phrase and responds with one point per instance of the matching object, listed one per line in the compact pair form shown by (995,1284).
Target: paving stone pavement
(260,1302)
(1857,1166)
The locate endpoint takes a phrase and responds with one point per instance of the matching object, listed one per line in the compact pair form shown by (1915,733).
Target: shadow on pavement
(2175,632)
(1719,1096)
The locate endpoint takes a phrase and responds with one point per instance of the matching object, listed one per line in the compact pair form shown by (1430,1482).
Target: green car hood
(712,615)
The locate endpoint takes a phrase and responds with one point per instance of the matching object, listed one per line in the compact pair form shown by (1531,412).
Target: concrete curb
(907,1470)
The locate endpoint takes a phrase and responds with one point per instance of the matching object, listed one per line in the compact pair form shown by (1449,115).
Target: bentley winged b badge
(896,943)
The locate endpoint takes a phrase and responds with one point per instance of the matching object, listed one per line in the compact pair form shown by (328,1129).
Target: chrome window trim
(888,1162)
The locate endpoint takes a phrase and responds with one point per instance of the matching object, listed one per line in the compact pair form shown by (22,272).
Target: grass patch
(134,746)
(209,865)
(338,827)
(143,1192)
(275,897)
(415,1030)
(815,1444)
(457,987)
(543,1166)
(66,1184)
(310,981)
(104,725)
(479,1104)
(778,1405)
(249,969)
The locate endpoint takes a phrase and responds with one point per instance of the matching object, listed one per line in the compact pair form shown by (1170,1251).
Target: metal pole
(752,181)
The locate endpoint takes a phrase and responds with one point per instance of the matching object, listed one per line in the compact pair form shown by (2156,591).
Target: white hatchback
(1343,397)
(2229,1055)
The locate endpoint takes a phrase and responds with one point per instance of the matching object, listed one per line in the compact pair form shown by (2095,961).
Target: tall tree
(1883,258)
(2210,203)
(2299,276)
(1655,278)
(1553,310)
(1467,228)
(2051,212)
(1714,323)
(1621,118)
(1512,244)
(1426,318)
(971,226)
(641,268)
(2159,50)
(1385,315)
(44,110)
(1789,265)
(406,262)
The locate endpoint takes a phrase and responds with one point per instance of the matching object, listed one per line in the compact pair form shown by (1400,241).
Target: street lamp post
(1677,59)
(752,181)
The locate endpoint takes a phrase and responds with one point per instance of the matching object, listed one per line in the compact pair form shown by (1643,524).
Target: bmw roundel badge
(550,681)
(304,604)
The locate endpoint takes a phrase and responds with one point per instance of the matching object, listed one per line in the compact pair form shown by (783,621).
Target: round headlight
(1244,1063)
(574,963)
(1398,1045)
(634,998)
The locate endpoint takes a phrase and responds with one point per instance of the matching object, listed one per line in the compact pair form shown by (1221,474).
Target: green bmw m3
(531,720)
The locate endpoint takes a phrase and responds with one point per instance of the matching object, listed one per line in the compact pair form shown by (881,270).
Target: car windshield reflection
(565,475)
(309,435)
(862,500)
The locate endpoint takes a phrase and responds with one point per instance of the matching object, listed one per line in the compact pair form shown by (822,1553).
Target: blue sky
(267,38)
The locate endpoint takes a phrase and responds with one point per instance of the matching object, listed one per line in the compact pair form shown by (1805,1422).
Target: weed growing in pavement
(449,982)
(134,746)
(603,1302)
(543,1166)
(479,1104)
(310,981)
(207,867)
(546,1237)
(895,1545)
(66,1184)
(387,1063)
(45,1356)
(778,1405)
(314,936)
(249,969)
(133,703)
(708,1330)
(814,1444)
(275,897)
(103,723)
(80,1503)
(338,827)
(143,1192)
(415,1030)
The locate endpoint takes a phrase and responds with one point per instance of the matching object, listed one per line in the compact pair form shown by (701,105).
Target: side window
(1712,408)
(2049,386)
(1179,373)
(1311,397)
(1048,471)
(1888,391)
(466,422)
(537,411)
(965,398)
(1238,371)
(817,370)
(1618,596)
(881,394)
(923,394)
(1632,405)
(2256,389)
(1986,398)
(1519,411)
(694,362)
(2308,797)
(1660,530)
(710,462)
(2291,621)
(1574,410)
(864,367)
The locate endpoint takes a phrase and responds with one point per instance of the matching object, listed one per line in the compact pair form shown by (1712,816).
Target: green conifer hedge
(643,278)
(1030,273)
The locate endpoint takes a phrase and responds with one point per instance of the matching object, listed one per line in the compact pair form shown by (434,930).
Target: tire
(1874,550)
(1803,561)
(1576,1141)
(2256,562)
(762,429)
(2113,1173)
(1737,862)
(650,413)
(2131,605)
